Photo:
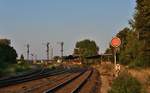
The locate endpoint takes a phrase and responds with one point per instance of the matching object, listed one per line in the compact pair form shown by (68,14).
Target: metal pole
(62,49)
(62,43)
(51,52)
(47,50)
(101,58)
(28,51)
(115,57)
(115,62)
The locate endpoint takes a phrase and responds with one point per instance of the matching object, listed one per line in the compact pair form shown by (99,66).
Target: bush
(139,63)
(125,83)
(21,67)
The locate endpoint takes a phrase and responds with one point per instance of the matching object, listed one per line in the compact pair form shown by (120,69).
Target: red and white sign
(115,42)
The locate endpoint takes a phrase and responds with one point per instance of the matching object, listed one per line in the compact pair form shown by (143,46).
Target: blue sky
(39,21)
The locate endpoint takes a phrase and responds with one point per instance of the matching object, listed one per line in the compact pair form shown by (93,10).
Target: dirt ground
(106,75)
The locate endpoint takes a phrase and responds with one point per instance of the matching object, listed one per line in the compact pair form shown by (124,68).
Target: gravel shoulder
(106,75)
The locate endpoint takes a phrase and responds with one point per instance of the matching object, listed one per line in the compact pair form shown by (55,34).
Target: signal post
(115,43)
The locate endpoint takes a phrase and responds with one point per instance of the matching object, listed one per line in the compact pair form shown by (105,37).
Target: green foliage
(13,69)
(22,59)
(21,67)
(123,34)
(108,51)
(8,54)
(56,58)
(86,48)
(125,83)
(132,49)
(135,48)
(132,55)
(142,15)
(142,27)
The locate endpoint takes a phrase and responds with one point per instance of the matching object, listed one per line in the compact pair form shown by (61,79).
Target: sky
(40,21)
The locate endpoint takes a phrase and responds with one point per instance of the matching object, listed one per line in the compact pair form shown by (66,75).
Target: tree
(135,47)
(8,54)
(4,42)
(123,36)
(22,58)
(142,27)
(132,49)
(56,58)
(86,48)
(108,51)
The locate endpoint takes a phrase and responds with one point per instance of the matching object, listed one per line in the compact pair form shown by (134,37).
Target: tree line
(8,54)
(135,47)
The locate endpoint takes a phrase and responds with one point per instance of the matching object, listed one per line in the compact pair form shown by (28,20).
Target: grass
(14,69)
(143,76)
(125,83)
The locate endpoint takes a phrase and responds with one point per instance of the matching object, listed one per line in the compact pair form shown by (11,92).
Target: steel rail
(55,88)
(41,74)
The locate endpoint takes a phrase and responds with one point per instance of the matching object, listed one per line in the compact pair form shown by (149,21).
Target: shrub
(125,83)
(139,63)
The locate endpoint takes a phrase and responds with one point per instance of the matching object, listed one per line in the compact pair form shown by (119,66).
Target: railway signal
(115,43)
(47,50)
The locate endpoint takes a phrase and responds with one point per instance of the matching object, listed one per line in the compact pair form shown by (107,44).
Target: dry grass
(143,75)
(106,76)
(106,70)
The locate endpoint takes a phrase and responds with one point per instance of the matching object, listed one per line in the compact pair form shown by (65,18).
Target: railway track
(93,84)
(41,73)
(76,83)
(55,82)
(51,81)
(70,81)
(18,79)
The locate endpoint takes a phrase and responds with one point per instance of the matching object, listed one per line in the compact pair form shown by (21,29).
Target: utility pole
(47,45)
(32,55)
(61,50)
(28,51)
(51,52)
